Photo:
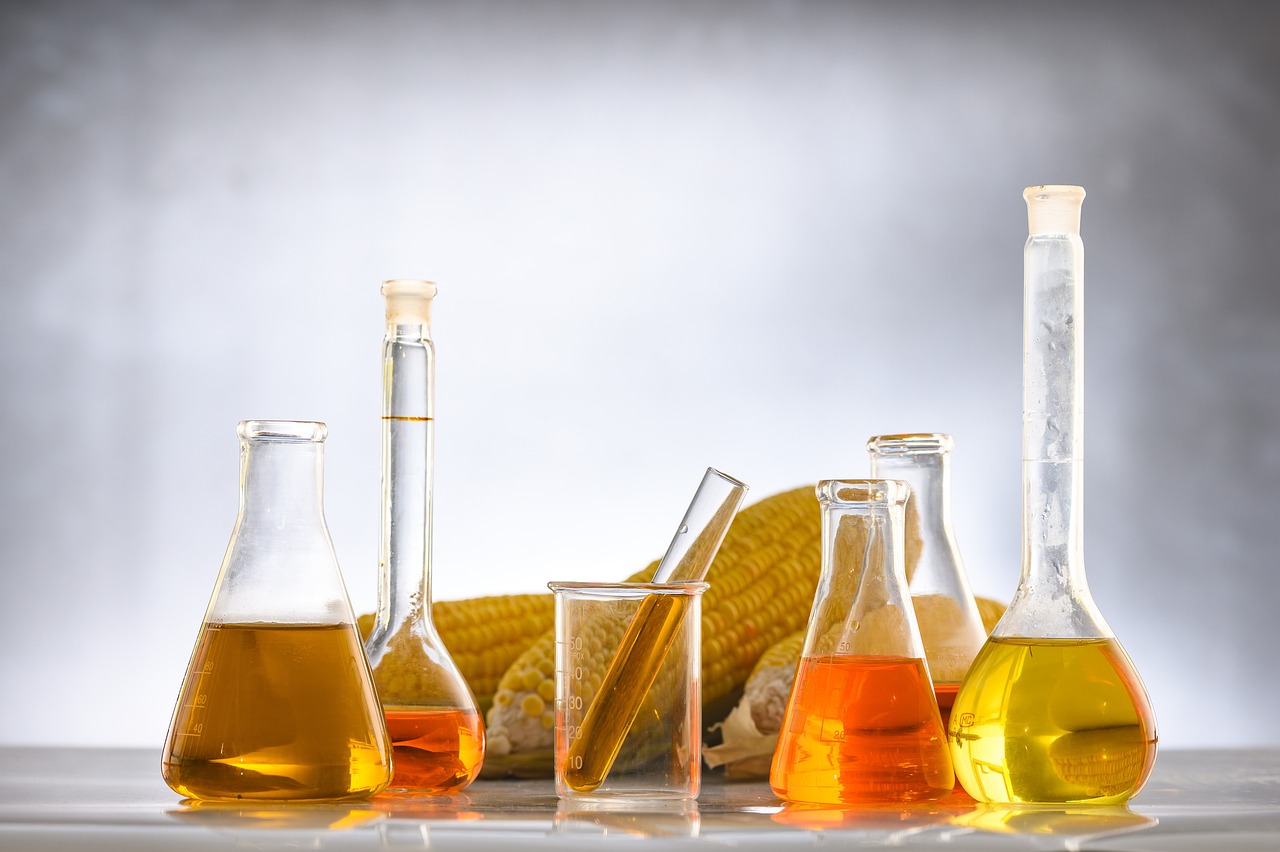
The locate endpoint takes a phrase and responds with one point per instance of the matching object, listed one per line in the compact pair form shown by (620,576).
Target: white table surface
(76,798)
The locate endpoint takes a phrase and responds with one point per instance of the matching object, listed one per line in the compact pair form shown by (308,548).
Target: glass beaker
(950,624)
(278,703)
(1052,711)
(862,723)
(432,717)
(653,749)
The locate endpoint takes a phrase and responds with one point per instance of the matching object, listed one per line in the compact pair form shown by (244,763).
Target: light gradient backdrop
(667,235)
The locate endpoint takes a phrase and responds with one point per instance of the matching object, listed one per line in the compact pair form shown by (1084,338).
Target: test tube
(648,637)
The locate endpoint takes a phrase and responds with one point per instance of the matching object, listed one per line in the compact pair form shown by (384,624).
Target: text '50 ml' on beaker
(862,723)
(278,703)
(1052,711)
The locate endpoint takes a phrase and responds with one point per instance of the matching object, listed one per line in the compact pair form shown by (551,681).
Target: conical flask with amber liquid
(278,703)
(862,723)
(431,715)
(1052,710)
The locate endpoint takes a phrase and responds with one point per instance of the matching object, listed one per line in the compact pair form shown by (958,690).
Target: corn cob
(762,583)
(486,635)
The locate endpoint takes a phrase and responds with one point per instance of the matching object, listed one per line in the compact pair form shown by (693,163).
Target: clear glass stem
(1053,574)
(404,567)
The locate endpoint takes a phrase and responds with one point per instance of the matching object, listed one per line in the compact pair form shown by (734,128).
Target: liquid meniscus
(436,750)
(282,712)
(861,729)
(1052,721)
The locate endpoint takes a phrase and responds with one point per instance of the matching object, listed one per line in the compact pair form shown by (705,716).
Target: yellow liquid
(278,712)
(628,679)
(1052,721)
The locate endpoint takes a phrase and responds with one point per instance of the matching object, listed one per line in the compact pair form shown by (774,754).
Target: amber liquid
(277,712)
(1052,721)
(861,729)
(628,679)
(436,751)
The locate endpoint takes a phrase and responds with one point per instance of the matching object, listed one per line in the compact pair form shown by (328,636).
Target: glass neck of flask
(281,482)
(1053,578)
(929,475)
(408,377)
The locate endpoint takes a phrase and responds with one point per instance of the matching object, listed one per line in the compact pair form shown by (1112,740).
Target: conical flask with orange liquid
(1052,710)
(862,723)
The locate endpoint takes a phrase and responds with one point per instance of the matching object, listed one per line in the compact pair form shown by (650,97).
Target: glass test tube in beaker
(659,751)
(278,702)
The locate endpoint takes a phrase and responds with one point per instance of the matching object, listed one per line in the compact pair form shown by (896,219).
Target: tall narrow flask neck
(1053,585)
(408,411)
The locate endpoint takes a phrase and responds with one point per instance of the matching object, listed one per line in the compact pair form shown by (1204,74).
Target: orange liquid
(277,712)
(946,695)
(436,751)
(861,729)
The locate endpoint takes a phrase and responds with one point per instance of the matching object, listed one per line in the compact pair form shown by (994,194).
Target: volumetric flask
(278,702)
(1052,710)
(862,723)
(432,718)
(950,624)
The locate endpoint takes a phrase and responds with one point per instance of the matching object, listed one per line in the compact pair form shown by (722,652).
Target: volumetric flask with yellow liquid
(1052,710)
(278,703)
(432,717)
(862,722)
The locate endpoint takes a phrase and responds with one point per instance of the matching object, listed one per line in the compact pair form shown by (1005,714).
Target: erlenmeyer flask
(862,724)
(950,623)
(432,717)
(1052,710)
(278,703)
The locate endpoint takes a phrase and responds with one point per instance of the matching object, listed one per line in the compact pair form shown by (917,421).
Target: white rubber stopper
(408,300)
(1054,209)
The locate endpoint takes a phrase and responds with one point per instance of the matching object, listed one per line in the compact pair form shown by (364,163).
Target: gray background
(747,235)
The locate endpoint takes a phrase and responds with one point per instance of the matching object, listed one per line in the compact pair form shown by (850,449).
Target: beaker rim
(296,431)
(910,443)
(628,590)
(862,493)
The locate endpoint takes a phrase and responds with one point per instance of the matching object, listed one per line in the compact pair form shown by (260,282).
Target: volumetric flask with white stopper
(1052,710)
